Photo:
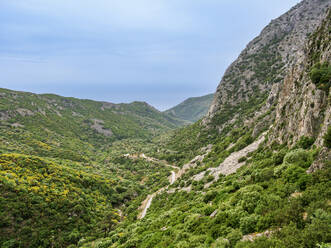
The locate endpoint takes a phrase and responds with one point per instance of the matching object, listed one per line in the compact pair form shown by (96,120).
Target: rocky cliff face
(263,65)
(303,107)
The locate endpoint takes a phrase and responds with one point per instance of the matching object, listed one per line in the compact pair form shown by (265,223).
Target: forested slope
(192,109)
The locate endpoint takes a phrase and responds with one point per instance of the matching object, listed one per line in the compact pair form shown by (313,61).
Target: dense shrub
(305,142)
(327,138)
(234,237)
(298,157)
(210,196)
(320,75)
(279,157)
(248,224)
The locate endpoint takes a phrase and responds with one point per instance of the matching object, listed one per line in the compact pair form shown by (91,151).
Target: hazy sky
(159,51)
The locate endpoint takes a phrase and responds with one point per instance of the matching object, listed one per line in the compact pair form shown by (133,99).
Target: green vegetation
(42,117)
(45,204)
(266,194)
(305,142)
(63,176)
(271,199)
(327,138)
(66,179)
(192,109)
(39,197)
(186,143)
(320,74)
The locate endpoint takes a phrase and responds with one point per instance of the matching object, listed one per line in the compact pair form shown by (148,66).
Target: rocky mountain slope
(266,60)
(247,96)
(192,109)
(303,106)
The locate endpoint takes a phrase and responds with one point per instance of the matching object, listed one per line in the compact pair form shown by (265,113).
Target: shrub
(298,157)
(327,138)
(208,210)
(250,200)
(242,159)
(243,142)
(320,75)
(304,181)
(305,142)
(209,196)
(293,173)
(248,224)
(279,157)
(323,245)
(234,237)
(210,178)
(221,243)
(263,175)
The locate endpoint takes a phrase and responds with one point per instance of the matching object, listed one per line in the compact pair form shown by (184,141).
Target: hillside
(192,109)
(253,173)
(246,98)
(62,171)
(256,171)
(46,124)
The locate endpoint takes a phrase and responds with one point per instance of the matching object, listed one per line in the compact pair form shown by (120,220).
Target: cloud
(129,14)
(10,58)
(122,50)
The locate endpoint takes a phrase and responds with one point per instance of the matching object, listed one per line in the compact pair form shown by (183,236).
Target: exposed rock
(230,164)
(16,125)
(320,162)
(109,105)
(24,112)
(296,194)
(303,109)
(97,125)
(76,114)
(214,214)
(4,116)
(57,113)
(251,237)
(42,111)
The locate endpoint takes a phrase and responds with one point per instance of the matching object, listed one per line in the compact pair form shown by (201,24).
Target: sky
(158,51)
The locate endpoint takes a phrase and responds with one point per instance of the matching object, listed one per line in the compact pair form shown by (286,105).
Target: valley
(246,167)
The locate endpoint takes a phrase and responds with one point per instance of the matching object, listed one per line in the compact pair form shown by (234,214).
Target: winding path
(145,205)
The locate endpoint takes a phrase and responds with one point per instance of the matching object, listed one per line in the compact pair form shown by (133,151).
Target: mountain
(49,120)
(62,171)
(192,109)
(262,65)
(254,172)
(247,95)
